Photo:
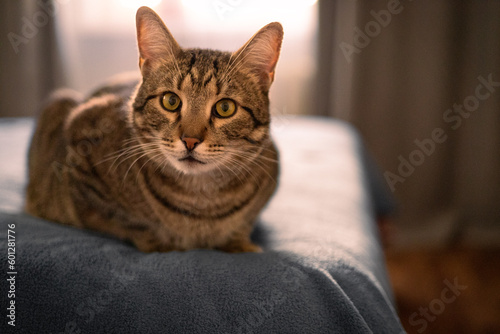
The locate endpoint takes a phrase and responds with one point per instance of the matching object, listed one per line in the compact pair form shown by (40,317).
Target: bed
(322,269)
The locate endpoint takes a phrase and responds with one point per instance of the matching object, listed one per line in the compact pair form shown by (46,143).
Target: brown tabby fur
(119,163)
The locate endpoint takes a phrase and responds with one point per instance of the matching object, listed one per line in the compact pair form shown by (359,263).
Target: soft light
(138,3)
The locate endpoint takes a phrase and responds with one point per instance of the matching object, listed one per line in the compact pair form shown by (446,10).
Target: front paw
(242,246)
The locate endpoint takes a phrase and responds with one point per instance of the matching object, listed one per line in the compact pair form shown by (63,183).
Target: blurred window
(98,38)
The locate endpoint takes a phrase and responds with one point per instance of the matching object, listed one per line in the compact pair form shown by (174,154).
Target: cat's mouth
(190,160)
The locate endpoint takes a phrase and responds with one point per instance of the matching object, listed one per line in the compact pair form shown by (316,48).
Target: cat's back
(104,111)
(71,134)
(121,86)
(98,124)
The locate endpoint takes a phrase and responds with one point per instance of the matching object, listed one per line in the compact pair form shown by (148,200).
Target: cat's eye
(225,108)
(171,102)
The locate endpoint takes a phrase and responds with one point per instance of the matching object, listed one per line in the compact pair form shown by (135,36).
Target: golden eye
(171,102)
(225,108)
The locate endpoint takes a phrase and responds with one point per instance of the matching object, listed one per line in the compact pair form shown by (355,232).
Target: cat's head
(200,110)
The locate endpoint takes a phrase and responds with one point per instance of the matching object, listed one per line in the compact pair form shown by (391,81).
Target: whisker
(255,162)
(135,161)
(229,169)
(257,155)
(260,149)
(122,151)
(128,154)
(147,161)
(241,166)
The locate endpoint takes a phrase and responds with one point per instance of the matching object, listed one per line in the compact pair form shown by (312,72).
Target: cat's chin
(192,166)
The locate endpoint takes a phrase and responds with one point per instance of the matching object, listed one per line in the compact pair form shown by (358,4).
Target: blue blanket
(322,269)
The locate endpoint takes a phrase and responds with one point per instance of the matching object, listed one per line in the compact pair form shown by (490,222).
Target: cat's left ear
(260,54)
(156,43)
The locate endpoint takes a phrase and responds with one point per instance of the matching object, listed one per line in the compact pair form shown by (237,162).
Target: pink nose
(190,142)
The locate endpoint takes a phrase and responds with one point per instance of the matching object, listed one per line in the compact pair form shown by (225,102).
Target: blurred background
(81,43)
(419,79)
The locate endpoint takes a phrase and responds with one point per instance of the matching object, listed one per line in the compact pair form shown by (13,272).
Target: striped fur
(119,163)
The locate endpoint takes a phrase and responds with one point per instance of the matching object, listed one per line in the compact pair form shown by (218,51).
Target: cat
(181,158)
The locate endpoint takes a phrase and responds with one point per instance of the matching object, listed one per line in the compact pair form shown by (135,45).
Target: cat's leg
(140,233)
(240,244)
(147,242)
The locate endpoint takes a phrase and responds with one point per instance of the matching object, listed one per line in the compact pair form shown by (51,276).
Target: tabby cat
(179,158)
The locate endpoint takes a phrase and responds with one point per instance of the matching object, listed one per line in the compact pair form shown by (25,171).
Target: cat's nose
(190,142)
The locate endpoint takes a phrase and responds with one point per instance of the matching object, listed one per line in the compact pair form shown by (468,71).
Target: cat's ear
(156,44)
(260,54)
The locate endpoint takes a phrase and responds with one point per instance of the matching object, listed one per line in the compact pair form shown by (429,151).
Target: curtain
(421,81)
(30,65)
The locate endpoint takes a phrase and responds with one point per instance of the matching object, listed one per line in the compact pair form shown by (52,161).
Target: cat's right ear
(156,44)
(260,54)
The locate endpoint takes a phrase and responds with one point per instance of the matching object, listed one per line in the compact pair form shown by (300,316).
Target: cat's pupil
(172,100)
(225,106)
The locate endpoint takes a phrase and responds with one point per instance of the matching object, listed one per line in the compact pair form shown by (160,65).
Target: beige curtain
(421,81)
(30,65)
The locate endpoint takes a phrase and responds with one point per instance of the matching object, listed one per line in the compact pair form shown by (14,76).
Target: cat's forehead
(204,59)
(203,72)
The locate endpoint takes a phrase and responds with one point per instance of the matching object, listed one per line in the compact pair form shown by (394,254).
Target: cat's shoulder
(105,108)
(122,85)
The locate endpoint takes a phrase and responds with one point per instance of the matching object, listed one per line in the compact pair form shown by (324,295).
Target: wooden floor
(447,291)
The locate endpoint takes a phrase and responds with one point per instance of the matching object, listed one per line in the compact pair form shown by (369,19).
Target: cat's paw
(240,247)
(150,247)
